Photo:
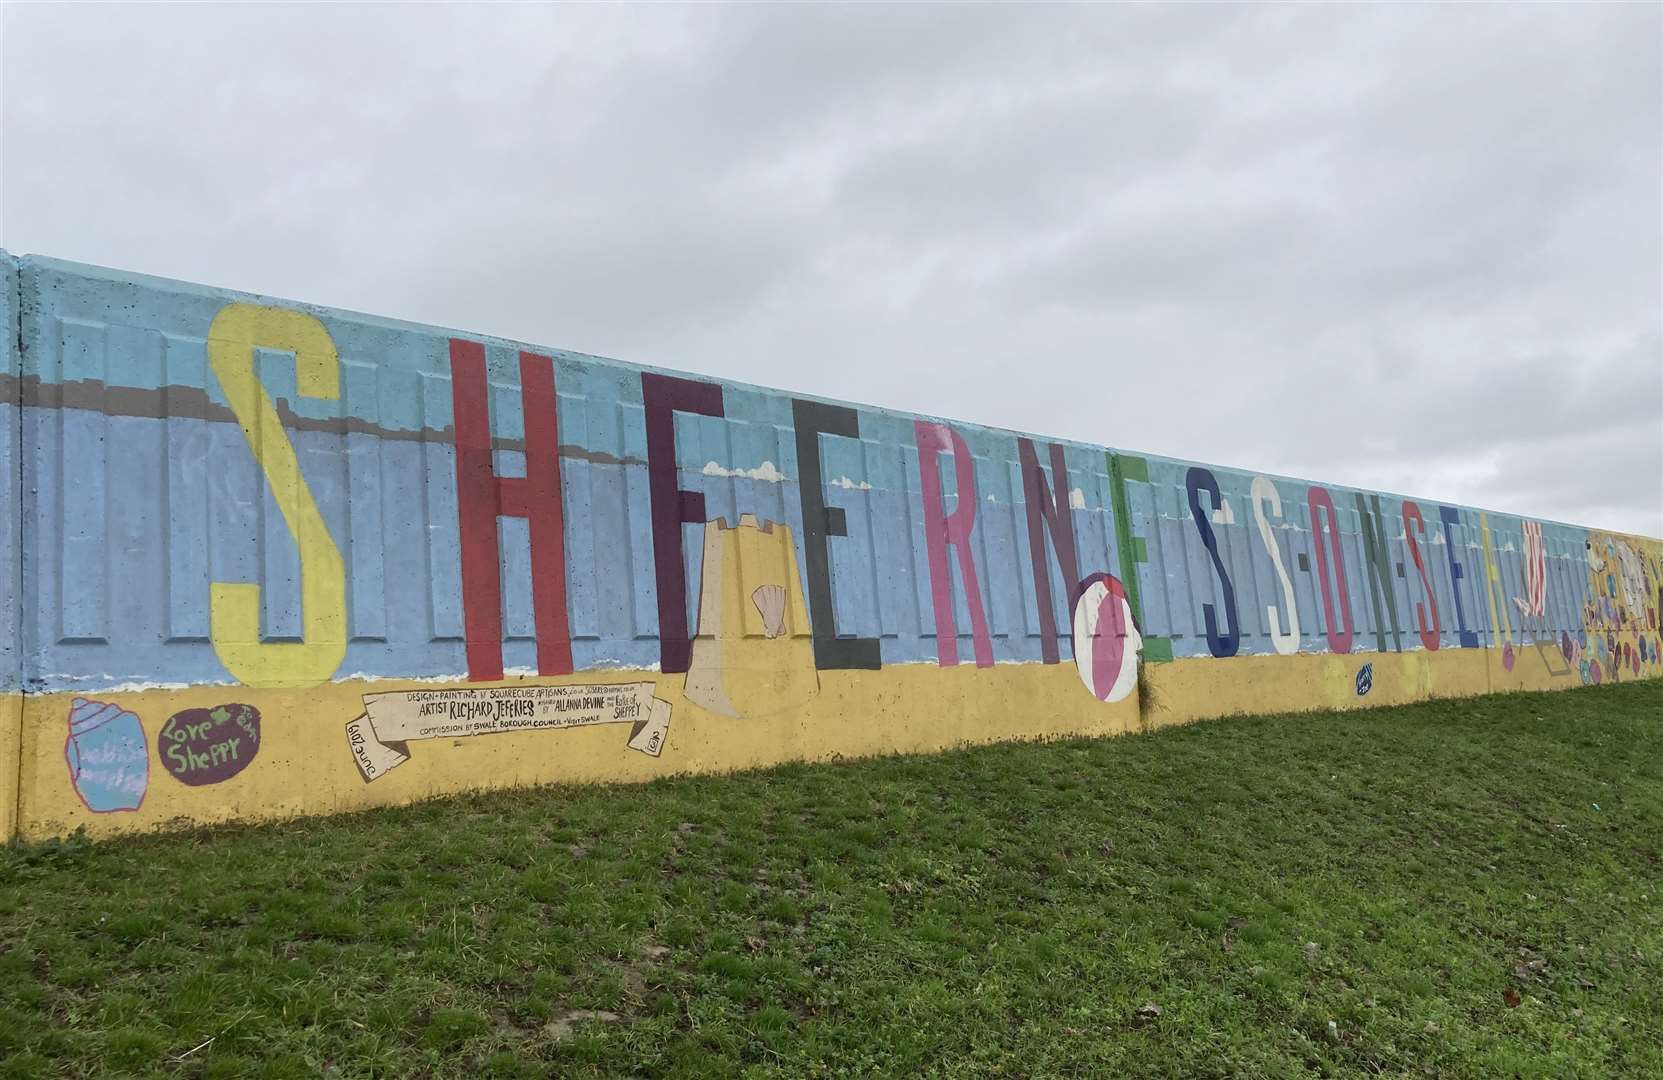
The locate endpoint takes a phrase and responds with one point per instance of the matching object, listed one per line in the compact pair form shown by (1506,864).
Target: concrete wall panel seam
(13,497)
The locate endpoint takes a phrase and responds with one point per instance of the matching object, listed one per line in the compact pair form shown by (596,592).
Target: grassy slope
(1349,894)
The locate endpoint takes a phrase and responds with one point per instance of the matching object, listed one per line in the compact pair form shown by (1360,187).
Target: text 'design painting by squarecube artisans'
(273,559)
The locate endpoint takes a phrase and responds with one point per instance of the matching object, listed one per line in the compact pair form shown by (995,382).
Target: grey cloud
(1413,247)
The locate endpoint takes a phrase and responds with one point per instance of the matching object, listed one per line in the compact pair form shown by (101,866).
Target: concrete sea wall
(268,559)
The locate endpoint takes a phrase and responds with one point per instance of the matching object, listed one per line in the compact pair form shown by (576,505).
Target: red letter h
(482,496)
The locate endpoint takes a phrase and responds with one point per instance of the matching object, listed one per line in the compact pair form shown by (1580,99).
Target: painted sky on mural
(1404,248)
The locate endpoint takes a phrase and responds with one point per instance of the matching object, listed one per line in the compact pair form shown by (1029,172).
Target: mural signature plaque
(380,738)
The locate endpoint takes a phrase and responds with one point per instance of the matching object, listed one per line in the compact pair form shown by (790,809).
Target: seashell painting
(770,601)
(109,760)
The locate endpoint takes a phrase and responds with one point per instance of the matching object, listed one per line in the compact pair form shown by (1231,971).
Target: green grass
(1469,888)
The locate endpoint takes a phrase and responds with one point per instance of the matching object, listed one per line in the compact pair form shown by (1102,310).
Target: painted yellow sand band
(303,765)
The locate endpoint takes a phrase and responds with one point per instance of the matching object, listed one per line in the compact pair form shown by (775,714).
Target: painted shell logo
(207,746)
(1365,679)
(1106,640)
(770,603)
(109,761)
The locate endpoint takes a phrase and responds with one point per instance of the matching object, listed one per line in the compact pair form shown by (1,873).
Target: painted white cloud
(765,472)
(1077,499)
(849,485)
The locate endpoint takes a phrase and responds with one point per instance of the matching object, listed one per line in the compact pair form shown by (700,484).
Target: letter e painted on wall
(813,419)
(234,607)
(1452,518)
(1124,469)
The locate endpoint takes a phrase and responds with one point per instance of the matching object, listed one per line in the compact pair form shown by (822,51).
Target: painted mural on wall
(209,746)
(109,762)
(380,738)
(751,618)
(271,499)
(1620,617)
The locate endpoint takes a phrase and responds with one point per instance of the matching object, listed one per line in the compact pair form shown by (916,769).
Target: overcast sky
(1412,248)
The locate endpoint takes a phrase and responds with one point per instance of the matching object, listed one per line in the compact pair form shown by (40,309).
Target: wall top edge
(31,265)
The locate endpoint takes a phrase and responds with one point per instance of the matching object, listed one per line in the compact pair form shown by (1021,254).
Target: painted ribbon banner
(379,738)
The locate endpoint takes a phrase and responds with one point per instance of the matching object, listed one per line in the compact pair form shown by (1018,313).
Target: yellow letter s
(234,611)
